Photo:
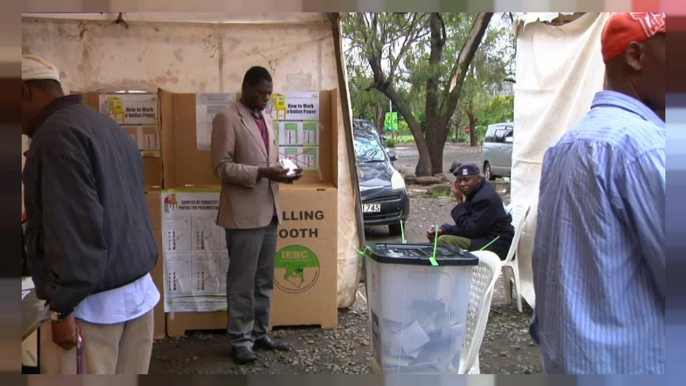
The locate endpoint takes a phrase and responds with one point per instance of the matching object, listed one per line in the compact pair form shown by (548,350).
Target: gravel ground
(506,349)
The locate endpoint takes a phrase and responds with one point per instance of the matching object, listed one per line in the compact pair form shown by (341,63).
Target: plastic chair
(510,269)
(484,277)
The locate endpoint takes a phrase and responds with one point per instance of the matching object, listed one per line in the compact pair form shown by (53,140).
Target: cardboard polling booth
(187,54)
(191,275)
(194,247)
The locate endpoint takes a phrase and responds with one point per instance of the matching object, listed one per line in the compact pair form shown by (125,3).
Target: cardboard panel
(178,323)
(306,273)
(155,211)
(185,165)
(334,136)
(190,166)
(152,171)
(152,164)
(166,137)
(305,291)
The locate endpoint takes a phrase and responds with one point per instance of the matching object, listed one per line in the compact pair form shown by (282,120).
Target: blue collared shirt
(599,257)
(119,305)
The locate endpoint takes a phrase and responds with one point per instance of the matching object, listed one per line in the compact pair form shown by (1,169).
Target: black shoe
(243,355)
(267,343)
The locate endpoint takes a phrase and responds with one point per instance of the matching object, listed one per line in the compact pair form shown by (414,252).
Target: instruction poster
(207,106)
(195,256)
(138,116)
(147,138)
(297,126)
(130,109)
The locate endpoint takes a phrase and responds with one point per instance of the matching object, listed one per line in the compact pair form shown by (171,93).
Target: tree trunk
(434,124)
(472,129)
(438,115)
(379,121)
(424,165)
(458,123)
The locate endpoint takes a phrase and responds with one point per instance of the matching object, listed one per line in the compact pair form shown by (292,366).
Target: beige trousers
(123,348)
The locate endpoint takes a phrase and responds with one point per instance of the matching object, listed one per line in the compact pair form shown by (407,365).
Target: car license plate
(371,208)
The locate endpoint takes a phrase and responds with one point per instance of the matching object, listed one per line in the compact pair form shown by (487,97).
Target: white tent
(559,70)
(209,52)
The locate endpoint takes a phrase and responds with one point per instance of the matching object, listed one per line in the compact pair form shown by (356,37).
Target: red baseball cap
(626,27)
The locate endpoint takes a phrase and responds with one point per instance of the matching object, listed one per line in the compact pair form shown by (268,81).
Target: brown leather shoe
(267,343)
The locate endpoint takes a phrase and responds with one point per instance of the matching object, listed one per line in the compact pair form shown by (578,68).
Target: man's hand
(298,175)
(273,173)
(459,196)
(432,234)
(289,179)
(64,332)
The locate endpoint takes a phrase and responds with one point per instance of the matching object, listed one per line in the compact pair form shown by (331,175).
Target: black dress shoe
(242,355)
(267,343)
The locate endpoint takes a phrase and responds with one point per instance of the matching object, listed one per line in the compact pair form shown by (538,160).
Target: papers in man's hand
(27,283)
(26,286)
(290,165)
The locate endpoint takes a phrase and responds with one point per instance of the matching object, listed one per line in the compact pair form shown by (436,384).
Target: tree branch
(464,59)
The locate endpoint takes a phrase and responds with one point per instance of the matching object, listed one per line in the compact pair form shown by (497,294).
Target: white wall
(182,57)
(190,58)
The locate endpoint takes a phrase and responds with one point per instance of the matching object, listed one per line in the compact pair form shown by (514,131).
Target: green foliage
(390,143)
(391,51)
(497,110)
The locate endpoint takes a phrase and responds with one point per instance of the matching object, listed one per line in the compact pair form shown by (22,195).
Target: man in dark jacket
(89,237)
(480,217)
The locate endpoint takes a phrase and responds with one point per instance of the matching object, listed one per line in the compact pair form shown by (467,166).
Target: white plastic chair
(484,277)
(510,268)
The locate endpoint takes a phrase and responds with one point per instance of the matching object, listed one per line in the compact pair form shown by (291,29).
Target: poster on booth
(130,109)
(207,106)
(138,116)
(195,255)
(296,123)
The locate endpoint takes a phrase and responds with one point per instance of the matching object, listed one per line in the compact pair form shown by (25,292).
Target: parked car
(367,126)
(385,199)
(496,152)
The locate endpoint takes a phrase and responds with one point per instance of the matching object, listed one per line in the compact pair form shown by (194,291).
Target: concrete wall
(191,58)
(182,58)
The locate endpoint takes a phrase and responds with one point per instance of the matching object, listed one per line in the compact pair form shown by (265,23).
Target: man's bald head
(633,47)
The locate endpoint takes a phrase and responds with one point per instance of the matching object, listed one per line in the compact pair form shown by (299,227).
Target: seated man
(480,217)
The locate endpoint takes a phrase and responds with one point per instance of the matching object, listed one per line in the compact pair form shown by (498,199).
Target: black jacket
(482,218)
(88,228)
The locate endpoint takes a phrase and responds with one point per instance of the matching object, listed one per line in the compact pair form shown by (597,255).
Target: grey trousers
(250,282)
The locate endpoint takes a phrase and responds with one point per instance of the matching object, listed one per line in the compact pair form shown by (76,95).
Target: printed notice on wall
(295,106)
(297,127)
(146,137)
(137,115)
(130,109)
(207,106)
(195,256)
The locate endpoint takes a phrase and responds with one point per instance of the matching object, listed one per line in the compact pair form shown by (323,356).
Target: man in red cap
(599,259)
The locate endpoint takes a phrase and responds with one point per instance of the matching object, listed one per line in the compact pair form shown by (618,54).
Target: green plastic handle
(433,256)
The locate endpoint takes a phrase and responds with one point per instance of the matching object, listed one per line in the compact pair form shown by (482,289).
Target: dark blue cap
(465,170)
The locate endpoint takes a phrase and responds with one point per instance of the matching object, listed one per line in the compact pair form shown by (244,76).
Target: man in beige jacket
(245,157)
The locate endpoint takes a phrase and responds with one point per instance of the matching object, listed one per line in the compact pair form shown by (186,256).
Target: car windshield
(365,127)
(367,149)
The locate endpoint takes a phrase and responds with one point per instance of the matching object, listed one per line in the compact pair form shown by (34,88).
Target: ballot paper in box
(418,311)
